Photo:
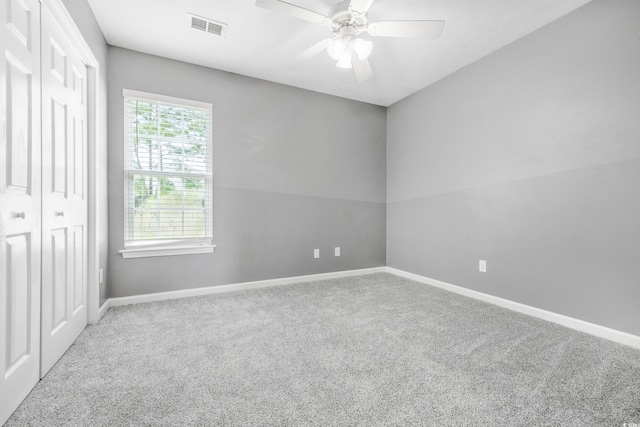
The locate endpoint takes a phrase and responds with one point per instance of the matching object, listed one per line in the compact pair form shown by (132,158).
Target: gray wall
(293,170)
(529,159)
(88,26)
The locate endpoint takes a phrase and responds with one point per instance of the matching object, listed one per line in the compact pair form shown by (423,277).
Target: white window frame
(168,247)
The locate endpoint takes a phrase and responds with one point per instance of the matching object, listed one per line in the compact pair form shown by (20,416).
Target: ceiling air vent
(207,25)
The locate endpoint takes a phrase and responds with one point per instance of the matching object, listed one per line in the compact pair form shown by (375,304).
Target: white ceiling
(259,41)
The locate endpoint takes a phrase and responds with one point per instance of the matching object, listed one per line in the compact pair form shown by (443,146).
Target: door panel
(59,278)
(20,21)
(20,206)
(79,156)
(78,263)
(64,204)
(18,125)
(18,296)
(58,60)
(58,147)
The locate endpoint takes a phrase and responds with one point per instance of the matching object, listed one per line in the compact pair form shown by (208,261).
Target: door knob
(59,213)
(19,215)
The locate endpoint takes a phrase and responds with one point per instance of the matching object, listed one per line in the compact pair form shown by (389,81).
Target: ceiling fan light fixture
(345,60)
(362,48)
(336,48)
(342,48)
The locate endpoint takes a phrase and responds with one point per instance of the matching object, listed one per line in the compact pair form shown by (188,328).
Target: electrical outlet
(337,251)
(316,253)
(482,266)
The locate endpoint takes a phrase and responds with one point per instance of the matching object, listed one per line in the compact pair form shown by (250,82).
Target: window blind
(168,169)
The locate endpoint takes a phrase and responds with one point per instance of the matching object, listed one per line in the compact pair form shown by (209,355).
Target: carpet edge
(161,296)
(600,331)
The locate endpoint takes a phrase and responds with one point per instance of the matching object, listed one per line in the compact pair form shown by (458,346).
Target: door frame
(60,14)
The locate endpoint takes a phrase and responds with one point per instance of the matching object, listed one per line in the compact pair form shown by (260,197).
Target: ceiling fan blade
(361,67)
(292,10)
(308,54)
(359,7)
(423,29)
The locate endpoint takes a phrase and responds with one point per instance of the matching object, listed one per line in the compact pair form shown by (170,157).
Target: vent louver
(198,24)
(207,25)
(215,28)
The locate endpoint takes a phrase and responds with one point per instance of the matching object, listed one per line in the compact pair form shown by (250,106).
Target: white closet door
(19,202)
(64,194)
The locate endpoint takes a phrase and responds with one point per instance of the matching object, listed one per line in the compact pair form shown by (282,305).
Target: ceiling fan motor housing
(343,22)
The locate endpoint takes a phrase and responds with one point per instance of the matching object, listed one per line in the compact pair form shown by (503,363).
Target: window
(168,185)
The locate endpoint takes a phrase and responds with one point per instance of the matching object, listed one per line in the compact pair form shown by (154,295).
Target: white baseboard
(569,322)
(160,296)
(103,309)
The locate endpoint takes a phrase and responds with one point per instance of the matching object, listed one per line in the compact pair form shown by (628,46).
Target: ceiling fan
(347,21)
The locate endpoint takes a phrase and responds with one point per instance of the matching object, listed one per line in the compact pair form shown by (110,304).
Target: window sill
(167,251)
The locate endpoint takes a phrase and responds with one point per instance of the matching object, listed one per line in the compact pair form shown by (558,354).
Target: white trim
(167,99)
(62,17)
(103,309)
(150,244)
(161,296)
(167,251)
(569,322)
(93,139)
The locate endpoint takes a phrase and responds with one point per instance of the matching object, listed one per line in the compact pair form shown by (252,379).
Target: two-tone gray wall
(88,26)
(293,171)
(530,160)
